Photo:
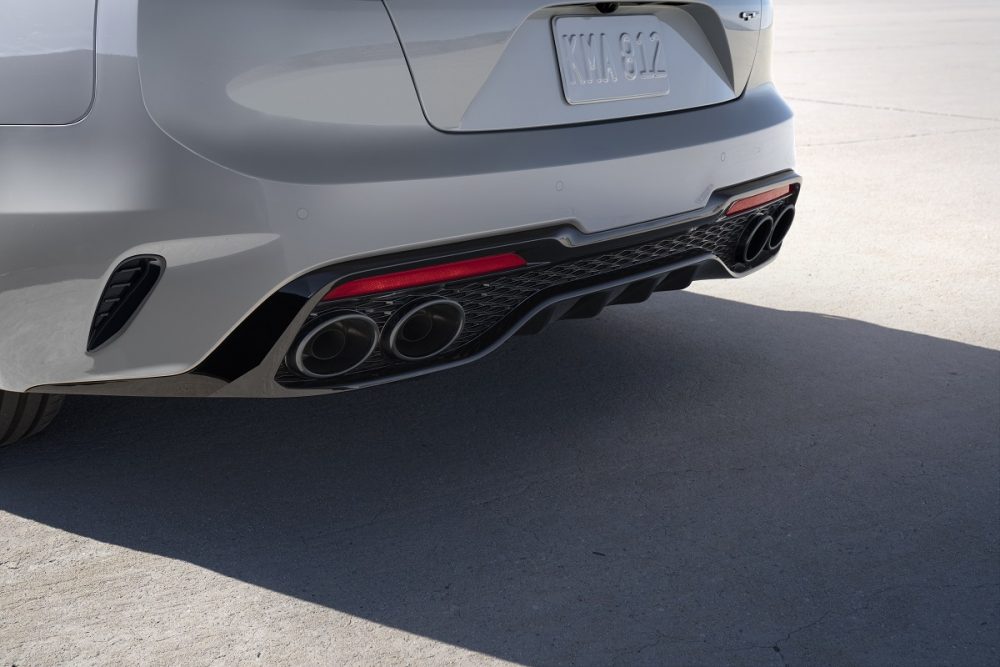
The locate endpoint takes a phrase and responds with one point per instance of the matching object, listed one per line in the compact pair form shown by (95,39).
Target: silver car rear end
(254,145)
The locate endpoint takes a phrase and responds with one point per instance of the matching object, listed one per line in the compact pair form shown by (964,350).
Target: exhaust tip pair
(766,233)
(341,343)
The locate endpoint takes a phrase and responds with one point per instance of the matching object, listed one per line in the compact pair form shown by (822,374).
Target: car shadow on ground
(692,480)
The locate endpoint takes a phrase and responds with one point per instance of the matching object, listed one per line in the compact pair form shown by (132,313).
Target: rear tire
(24,415)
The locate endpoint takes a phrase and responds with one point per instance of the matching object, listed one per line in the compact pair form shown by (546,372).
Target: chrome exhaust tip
(781,227)
(425,330)
(755,239)
(336,346)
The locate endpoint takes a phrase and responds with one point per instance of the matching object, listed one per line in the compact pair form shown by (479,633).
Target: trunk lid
(483,65)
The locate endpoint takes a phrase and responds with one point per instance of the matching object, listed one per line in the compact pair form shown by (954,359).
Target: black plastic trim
(251,341)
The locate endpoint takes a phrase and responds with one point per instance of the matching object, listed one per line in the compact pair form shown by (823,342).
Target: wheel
(24,415)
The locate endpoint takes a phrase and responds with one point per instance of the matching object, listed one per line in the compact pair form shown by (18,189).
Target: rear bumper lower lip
(706,266)
(236,370)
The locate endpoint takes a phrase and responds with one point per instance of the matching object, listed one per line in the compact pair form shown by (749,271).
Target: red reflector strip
(441,273)
(750,203)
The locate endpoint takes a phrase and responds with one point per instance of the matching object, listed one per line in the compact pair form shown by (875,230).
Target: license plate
(606,58)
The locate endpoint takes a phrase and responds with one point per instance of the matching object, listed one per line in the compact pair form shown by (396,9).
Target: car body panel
(46,61)
(482,65)
(252,361)
(240,201)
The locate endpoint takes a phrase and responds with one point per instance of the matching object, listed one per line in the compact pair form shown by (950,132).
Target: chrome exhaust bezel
(400,320)
(298,357)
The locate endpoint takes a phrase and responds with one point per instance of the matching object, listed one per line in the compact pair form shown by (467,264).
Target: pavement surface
(799,468)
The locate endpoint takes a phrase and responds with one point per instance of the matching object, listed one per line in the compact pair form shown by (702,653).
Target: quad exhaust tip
(336,346)
(781,227)
(425,330)
(756,240)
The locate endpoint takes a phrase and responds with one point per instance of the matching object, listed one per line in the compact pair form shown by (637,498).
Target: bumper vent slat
(130,284)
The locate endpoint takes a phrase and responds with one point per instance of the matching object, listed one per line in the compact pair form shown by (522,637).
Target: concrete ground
(798,468)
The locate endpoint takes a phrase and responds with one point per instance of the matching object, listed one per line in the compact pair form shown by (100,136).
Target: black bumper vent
(127,289)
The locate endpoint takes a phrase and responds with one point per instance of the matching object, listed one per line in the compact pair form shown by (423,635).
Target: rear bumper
(569,275)
(236,221)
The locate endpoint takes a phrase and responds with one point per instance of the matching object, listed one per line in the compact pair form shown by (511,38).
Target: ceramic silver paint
(487,65)
(46,61)
(250,141)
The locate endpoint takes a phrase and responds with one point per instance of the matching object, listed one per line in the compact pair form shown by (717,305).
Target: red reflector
(750,203)
(441,273)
